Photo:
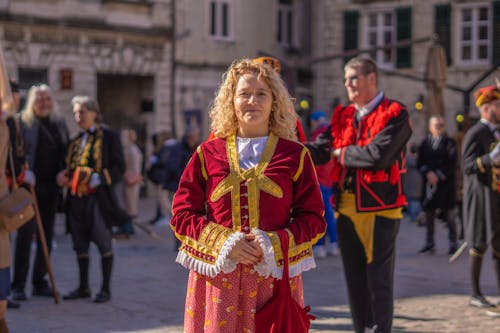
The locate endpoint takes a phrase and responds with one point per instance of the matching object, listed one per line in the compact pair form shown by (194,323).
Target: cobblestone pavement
(148,290)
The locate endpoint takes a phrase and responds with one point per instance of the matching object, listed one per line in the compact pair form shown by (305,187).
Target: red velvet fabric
(282,314)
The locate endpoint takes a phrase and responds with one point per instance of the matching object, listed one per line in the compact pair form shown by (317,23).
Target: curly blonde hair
(282,120)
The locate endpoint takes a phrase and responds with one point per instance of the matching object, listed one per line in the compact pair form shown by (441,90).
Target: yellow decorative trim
(480,165)
(301,165)
(202,163)
(214,235)
(296,253)
(255,181)
(364,223)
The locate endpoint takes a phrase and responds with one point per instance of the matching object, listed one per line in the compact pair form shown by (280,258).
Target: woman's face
(43,104)
(253,99)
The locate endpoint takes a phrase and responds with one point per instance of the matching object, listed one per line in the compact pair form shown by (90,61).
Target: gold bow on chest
(254,179)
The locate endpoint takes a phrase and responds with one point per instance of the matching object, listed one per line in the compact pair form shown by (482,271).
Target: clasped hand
(247,251)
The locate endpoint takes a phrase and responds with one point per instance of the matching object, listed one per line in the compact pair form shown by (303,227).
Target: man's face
(491,112)
(436,127)
(83,117)
(43,104)
(361,88)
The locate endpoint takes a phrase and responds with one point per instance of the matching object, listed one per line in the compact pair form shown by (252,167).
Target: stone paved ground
(148,290)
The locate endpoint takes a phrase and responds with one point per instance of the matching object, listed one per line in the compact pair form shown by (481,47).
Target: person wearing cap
(368,141)
(481,179)
(44,142)
(319,124)
(237,191)
(94,164)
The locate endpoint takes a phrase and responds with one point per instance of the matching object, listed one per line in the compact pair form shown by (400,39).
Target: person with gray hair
(94,164)
(44,141)
(367,139)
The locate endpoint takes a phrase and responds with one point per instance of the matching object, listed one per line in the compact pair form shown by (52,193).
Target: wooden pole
(43,242)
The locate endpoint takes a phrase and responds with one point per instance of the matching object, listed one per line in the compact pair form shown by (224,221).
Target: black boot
(107,266)
(497,271)
(83,290)
(477,299)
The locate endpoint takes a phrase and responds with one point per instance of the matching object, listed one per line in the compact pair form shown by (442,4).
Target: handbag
(17,207)
(282,314)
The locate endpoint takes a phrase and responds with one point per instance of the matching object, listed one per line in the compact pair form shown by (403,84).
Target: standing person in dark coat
(368,141)
(437,161)
(95,163)
(175,158)
(481,201)
(45,138)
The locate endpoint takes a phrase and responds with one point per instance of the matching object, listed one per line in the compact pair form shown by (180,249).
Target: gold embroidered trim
(202,163)
(296,253)
(255,181)
(214,235)
(197,250)
(480,165)
(301,165)
(77,158)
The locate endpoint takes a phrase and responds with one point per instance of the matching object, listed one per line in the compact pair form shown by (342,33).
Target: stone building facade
(468,30)
(116,51)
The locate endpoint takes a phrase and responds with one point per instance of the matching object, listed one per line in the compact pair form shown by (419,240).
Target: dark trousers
(370,286)
(87,225)
(450,219)
(47,203)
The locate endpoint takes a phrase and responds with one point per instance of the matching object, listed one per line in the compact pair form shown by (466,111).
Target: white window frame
(474,42)
(218,34)
(380,29)
(288,17)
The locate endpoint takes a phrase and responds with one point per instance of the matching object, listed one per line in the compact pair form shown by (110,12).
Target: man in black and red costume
(94,163)
(368,140)
(481,202)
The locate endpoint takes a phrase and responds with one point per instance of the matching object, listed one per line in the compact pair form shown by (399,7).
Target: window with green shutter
(442,27)
(351,21)
(496,32)
(403,32)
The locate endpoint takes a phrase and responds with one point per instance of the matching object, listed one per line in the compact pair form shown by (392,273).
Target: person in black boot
(94,164)
(437,161)
(481,202)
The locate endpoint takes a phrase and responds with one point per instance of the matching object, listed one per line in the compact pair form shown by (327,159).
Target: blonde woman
(235,193)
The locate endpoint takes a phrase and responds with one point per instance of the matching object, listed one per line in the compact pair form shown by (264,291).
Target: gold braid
(75,159)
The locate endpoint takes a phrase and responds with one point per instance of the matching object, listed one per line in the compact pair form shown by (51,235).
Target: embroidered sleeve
(475,160)
(205,245)
(300,258)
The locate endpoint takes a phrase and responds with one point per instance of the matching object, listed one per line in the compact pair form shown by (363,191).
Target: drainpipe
(173,69)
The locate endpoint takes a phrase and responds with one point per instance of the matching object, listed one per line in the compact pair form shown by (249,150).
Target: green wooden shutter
(351,20)
(442,27)
(496,32)
(403,32)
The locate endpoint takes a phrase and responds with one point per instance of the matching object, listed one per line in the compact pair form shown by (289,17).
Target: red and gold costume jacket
(217,203)
(372,154)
